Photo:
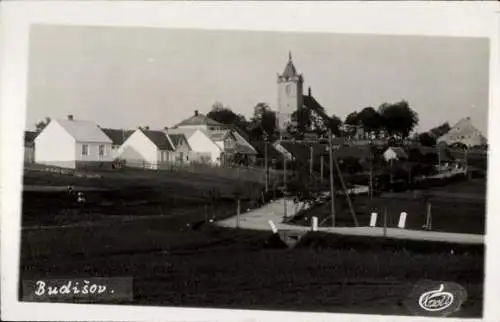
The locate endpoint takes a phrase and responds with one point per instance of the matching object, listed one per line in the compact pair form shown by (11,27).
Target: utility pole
(332,187)
(466,163)
(284,186)
(311,160)
(266,163)
(371,172)
(321,166)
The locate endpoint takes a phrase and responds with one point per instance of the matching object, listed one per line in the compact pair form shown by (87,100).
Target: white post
(273,227)
(402,220)
(314,223)
(373,219)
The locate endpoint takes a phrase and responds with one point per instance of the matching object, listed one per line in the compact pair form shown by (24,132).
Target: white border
(452,19)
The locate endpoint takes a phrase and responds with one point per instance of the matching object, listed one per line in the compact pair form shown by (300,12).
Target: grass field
(459,207)
(139,228)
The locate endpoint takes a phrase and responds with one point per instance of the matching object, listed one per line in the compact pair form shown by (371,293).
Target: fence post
(314,223)
(402,220)
(373,219)
(428,222)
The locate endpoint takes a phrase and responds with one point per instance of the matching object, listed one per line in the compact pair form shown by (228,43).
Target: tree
(352,119)
(426,139)
(370,119)
(263,122)
(225,115)
(335,123)
(398,119)
(42,124)
(441,130)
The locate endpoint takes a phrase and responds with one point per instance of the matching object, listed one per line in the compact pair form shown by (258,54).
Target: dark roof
(272,153)
(311,102)
(301,150)
(199,119)
(290,70)
(160,139)
(177,138)
(444,153)
(29,137)
(118,136)
(243,149)
(357,152)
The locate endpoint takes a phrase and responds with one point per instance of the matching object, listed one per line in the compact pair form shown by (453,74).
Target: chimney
(196,113)
(309,91)
(70,117)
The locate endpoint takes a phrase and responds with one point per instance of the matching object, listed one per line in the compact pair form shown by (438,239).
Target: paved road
(258,219)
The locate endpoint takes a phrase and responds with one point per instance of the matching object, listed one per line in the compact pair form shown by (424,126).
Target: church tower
(290,96)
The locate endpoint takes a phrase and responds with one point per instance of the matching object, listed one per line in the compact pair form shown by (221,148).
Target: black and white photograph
(259,170)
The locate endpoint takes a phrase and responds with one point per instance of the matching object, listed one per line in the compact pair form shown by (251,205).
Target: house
(117,137)
(272,152)
(73,144)
(202,148)
(29,146)
(147,149)
(395,154)
(463,132)
(182,150)
(225,143)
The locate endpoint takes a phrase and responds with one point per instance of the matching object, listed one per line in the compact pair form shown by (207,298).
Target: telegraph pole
(266,163)
(332,187)
(311,160)
(371,171)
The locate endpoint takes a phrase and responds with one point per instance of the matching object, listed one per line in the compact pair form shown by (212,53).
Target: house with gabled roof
(224,142)
(117,136)
(395,153)
(463,132)
(73,143)
(148,149)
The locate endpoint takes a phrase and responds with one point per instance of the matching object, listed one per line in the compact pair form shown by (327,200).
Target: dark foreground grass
(223,268)
(199,265)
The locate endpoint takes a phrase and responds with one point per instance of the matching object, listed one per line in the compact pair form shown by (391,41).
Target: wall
(138,149)
(200,142)
(29,154)
(55,146)
(93,152)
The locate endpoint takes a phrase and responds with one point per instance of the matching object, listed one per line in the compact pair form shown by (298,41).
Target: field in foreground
(202,266)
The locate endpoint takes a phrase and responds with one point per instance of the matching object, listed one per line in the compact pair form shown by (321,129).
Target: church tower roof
(290,70)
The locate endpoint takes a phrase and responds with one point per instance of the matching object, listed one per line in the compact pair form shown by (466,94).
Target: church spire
(290,70)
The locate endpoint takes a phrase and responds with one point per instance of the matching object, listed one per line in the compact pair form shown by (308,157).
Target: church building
(291,98)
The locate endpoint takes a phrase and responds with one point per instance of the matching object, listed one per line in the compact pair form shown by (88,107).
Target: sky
(126,77)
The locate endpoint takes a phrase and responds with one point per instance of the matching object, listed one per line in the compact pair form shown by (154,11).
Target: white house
(117,136)
(146,149)
(222,141)
(394,154)
(72,143)
(183,153)
(203,148)
(463,132)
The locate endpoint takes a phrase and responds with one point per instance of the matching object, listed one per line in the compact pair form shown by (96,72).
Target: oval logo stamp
(435,298)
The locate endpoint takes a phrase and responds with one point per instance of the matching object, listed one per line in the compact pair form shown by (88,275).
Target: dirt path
(258,219)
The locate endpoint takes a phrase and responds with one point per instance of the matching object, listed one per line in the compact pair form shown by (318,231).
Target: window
(85,149)
(101,150)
